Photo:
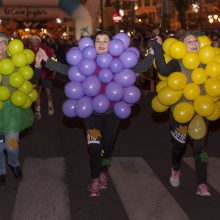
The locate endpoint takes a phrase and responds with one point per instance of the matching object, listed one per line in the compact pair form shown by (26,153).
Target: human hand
(38,59)
(44,54)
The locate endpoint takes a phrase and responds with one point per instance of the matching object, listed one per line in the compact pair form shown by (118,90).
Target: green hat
(4,36)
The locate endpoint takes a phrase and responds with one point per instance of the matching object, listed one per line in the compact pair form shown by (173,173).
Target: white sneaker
(203,190)
(175,178)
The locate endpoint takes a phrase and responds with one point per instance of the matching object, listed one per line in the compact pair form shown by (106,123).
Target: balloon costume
(190,86)
(111,86)
(16,91)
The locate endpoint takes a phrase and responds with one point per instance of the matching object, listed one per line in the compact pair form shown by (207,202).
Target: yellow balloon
(217,50)
(177,50)
(157,106)
(160,85)
(215,115)
(218,103)
(183,112)
(177,81)
(167,96)
(191,91)
(212,87)
(191,60)
(4,93)
(214,99)
(206,54)
(167,43)
(197,128)
(213,69)
(217,58)
(204,41)
(161,77)
(199,76)
(203,106)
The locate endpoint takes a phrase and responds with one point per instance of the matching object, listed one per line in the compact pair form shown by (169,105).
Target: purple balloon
(114,91)
(124,38)
(122,110)
(103,60)
(87,67)
(89,52)
(74,56)
(100,103)
(131,95)
(116,66)
(69,108)
(116,47)
(74,90)
(129,59)
(75,75)
(105,76)
(126,78)
(134,49)
(84,107)
(91,86)
(85,42)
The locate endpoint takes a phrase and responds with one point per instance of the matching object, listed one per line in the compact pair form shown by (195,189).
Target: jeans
(11,147)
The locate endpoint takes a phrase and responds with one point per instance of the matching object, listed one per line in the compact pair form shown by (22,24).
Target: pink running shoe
(103,180)
(94,188)
(203,190)
(175,178)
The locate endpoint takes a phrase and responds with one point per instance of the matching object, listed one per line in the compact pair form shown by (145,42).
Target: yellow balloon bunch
(199,93)
(19,72)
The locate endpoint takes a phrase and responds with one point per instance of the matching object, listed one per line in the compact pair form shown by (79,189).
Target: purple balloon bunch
(91,72)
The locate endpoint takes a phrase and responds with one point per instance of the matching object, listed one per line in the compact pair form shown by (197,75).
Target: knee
(12,144)
(93,137)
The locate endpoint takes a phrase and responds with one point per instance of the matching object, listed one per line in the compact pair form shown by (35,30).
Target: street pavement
(56,171)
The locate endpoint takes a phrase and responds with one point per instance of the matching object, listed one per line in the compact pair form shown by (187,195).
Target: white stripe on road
(43,193)
(141,192)
(213,170)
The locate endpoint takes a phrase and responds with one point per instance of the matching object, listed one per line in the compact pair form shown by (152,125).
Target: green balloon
(16,79)
(26,71)
(18,98)
(26,87)
(15,46)
(4,93)
(30,55)
(19,59)
(6,66)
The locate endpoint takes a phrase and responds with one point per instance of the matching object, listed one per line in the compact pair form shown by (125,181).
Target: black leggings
(179,148)
(101,131)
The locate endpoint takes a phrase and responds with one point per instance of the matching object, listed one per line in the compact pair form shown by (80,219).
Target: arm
(163,68)
(144,64)
(51,64)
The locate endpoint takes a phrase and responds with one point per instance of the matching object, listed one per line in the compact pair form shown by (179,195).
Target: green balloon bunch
(17,68)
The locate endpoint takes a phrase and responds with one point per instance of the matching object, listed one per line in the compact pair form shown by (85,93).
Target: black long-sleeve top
(164,68)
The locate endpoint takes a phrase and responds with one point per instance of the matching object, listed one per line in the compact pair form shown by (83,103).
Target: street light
(213,18)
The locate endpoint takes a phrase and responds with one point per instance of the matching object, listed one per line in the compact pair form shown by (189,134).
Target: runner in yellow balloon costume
(189,70)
